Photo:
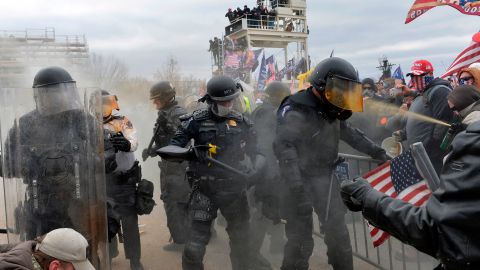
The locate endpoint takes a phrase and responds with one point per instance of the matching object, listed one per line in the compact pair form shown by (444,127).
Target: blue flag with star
(398,74)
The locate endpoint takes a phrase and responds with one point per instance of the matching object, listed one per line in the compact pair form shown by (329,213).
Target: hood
(475,73)
(473,115)
(472,118)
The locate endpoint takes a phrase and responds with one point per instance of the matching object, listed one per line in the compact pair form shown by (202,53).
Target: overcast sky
(143,33)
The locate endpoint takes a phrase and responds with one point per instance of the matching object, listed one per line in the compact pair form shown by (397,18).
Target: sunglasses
(465,80)
(367,88)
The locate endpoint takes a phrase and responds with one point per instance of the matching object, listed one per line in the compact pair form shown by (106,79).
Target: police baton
(226,167)
(152,140)
(424,166)
(176,153)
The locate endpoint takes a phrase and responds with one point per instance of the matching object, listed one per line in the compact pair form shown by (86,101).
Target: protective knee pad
(193,253)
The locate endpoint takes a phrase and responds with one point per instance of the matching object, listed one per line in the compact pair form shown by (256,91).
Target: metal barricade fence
(391,255)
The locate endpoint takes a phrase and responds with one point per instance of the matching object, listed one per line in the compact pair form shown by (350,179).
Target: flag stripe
(464,59)
(378,169)
(423,201)
(397,179)
(387,187)
(460,62)
(380,178)
(470,47)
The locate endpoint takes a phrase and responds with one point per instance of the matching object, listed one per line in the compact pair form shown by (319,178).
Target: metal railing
(267,22)
(287,3)
(392,254)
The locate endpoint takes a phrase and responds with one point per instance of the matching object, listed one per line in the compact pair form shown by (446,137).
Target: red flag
(467,57)
(420,7)
(399,179)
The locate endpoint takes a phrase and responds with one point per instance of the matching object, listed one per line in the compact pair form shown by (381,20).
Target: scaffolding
(31,49)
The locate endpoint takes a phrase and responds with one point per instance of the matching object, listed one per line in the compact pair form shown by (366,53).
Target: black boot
(136,265)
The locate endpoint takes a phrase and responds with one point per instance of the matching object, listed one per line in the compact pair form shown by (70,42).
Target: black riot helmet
(221,88)
(55,91)
(336,81)
(163,90)
(276,92)
(51,76)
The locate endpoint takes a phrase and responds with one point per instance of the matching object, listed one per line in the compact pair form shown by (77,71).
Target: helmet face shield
(57,98)
(344,93)
(109,103)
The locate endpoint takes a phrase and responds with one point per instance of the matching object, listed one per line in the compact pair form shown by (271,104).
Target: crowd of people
(254,13)
(280,153)
(440,227)
(257,17)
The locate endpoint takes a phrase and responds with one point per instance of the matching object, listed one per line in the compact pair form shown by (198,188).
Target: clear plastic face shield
(109,103)
(54,99)
(344,93)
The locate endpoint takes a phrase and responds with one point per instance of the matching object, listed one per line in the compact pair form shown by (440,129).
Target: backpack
(144,201)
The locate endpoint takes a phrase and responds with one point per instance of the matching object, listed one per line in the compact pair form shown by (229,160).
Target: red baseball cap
(421,67)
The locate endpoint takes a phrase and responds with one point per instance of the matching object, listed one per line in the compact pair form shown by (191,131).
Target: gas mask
(220,110)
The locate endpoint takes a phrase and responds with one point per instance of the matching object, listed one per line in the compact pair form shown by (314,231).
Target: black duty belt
(223,181)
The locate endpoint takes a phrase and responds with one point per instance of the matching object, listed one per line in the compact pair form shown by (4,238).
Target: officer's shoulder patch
(201,114)
(282,112)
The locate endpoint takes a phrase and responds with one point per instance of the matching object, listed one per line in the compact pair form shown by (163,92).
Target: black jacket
(168,119)
(233,135)
(433,103)
(447,227)
(307,140)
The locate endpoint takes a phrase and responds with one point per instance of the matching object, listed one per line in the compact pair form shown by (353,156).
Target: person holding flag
(396,199)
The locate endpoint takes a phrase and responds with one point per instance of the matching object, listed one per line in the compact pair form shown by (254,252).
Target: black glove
(381,156)
(110,156)
(458,127)
(399,136)
(354,193)
(120,143)
(146,154)
(200,152)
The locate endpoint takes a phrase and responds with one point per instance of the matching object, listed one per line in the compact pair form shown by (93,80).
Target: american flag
(398,178)
(467,57)
(232,59)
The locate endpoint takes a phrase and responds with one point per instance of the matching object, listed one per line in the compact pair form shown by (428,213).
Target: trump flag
(420,7)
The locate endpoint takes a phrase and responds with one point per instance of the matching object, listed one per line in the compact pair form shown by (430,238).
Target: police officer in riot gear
(310,125)
(55,150)
(174,188)
(266,195)
(230,137)
(121,183)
